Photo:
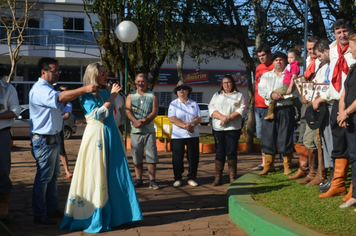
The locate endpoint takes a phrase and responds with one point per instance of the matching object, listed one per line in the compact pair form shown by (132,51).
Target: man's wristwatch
(192,124)
(347,114)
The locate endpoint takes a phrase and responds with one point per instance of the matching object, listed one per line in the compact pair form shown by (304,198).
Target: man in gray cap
(277,133)
(9,109)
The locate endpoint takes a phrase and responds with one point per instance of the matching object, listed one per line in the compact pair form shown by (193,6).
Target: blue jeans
(45,150)
(260,113)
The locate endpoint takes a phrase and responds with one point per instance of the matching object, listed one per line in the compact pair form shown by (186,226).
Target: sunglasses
(182,88)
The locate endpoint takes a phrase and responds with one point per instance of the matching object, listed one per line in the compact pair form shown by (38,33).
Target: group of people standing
(226,108)
(327,63)
(102,176)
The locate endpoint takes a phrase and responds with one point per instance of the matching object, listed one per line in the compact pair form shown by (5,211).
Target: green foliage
(153,20)
(302,204)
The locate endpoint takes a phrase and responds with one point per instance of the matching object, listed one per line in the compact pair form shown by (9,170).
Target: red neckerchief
(340,66)
(310,69)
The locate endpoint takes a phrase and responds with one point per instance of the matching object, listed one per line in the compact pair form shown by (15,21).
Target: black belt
(36,136)
(5,129)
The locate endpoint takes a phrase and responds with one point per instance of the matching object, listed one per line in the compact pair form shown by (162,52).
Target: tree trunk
(180,61)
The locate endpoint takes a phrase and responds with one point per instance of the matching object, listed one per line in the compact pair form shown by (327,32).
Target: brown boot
(349,194)
(337,187)
(287,161)
(313,165)
(303,164)
(320,175)
(232,169)
(269,164)
(270,114)
(219,168)
(4,203)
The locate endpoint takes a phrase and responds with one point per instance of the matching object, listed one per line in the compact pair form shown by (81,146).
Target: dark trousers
(178,150)
(277,134)
(302,124)
(351,143)
(5,162)
(226,143)
(338,133)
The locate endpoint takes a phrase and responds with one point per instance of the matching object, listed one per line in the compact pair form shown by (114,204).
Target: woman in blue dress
(101,194)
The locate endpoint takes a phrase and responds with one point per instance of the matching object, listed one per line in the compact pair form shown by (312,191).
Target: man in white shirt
(306,154)
(9,109)
(277,133)
(322,51)
(340,62)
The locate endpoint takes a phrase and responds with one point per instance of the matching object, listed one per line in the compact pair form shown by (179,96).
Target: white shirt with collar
(319,78)
(227,104)
(271,81)
(8,102)
(186,113)
(331,93)
(317,63)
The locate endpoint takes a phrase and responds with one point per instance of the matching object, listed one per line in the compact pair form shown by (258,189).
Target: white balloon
(126,31)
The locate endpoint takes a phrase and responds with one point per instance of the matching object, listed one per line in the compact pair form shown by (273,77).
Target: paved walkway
(168,211)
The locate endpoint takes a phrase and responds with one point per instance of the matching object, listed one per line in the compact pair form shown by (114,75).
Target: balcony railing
(54,37)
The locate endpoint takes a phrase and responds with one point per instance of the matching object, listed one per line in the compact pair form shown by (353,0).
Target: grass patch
(303,205)
(206,138)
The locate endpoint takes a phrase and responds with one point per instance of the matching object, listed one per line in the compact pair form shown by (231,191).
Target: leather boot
(349,194)
(325,186)
(303,164)
(232,164)
(337,187)
(312,160)
(320,177)
(4,203)
(269,164)
(287,162)
(270,114)
(219,167)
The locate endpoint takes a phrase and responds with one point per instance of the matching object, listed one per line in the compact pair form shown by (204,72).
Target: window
(73,25)
(164,98)
(33,23)
(198,97)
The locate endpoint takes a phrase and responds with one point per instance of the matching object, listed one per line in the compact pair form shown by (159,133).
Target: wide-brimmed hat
(315,118)
(3,70)
(278,54)
(180,85)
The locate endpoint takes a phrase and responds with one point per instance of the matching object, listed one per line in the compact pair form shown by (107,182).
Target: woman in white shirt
(184,114)
(226,108)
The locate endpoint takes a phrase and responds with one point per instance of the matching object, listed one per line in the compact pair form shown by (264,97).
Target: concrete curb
(255,219)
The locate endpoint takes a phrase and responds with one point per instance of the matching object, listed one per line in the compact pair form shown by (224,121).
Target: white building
(63,32)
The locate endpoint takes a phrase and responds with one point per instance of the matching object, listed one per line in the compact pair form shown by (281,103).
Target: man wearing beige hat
(141,109)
